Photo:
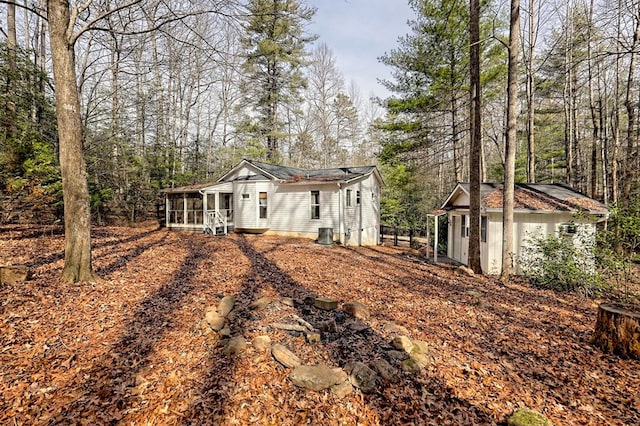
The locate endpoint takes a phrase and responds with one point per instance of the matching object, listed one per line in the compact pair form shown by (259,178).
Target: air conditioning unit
(568,228)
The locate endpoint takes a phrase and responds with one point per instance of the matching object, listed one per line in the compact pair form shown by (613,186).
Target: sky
(359,32)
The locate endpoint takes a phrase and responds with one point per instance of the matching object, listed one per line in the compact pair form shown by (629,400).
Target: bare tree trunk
(630,104)
(567,98)
(476,138)
(77,214)
(10,124)
(531,147)
(595,119)
(510,143)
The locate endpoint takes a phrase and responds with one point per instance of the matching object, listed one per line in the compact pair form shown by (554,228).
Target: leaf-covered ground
(131,350)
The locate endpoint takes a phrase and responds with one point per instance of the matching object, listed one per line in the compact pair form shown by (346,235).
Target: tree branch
(33,10)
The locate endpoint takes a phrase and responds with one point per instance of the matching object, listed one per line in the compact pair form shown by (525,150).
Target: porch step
(218,231)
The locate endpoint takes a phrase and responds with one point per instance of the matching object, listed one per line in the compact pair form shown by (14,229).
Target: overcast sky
(359,32)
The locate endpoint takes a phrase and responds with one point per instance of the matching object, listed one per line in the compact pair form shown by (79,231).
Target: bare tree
(510,142)
(476,137)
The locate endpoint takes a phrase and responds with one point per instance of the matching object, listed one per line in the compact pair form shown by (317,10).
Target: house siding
(361,221)
(291,209)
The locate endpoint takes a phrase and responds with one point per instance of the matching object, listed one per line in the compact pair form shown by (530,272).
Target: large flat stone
(226,305)
(284,356)
(325,304)
(362,376)
(315,377)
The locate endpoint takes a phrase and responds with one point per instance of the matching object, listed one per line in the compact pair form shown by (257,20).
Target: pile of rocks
(406,357)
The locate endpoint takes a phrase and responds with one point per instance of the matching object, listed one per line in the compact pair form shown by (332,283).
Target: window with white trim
(315,204)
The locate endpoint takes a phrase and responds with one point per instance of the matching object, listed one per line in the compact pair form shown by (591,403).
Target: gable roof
(545,197)
(286,175)
(295,175)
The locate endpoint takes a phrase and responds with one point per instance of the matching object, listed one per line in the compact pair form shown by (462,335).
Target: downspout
(205,219)
(360,213)
(166,210)
(340,215)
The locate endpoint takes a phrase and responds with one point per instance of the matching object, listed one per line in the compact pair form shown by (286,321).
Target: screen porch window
(349,197)
(262,201)
(315,204)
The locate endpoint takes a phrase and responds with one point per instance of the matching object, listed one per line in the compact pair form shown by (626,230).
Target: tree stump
(618,330)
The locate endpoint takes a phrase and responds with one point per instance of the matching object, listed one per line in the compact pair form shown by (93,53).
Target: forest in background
(244,79)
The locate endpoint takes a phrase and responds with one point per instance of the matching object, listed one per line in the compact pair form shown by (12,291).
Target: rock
(225,332)
(289,327)
(340,375)
(304,323)
(235,345)
(357,310)
(474,293)
(420,353)
(315,377)
(403,343)
(357,326)
(392,328)
(327,326)
(260,304)
(423,360)
(226,305)
(527,417)
(362,376)
(341,390)
(206,329)
(262,343)
(410,365)
(325,304)
(215,321)
(463,270)
(398,355)
(287,301)
(312,337)
(285,357)
(386,370)
(13,274)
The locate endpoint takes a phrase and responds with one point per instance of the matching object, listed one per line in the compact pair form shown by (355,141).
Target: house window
(483,229)
(315,204)
(358,198)
(349,198)
(246,196)
(569,228)
(463,226)
(262,202)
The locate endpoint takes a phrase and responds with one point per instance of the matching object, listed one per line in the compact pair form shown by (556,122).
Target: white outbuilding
(539,210)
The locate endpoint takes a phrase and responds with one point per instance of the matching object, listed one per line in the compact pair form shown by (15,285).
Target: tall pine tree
(275,44)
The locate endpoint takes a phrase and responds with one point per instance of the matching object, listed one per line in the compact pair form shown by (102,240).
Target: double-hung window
(262,202)
(315,204)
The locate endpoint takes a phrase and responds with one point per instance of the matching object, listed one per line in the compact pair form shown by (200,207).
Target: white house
(539,210)
(342,204)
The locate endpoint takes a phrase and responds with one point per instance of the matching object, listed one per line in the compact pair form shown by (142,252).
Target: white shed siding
(526,227)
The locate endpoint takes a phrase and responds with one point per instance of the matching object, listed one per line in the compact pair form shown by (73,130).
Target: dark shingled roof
(539,196)
(293,174)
